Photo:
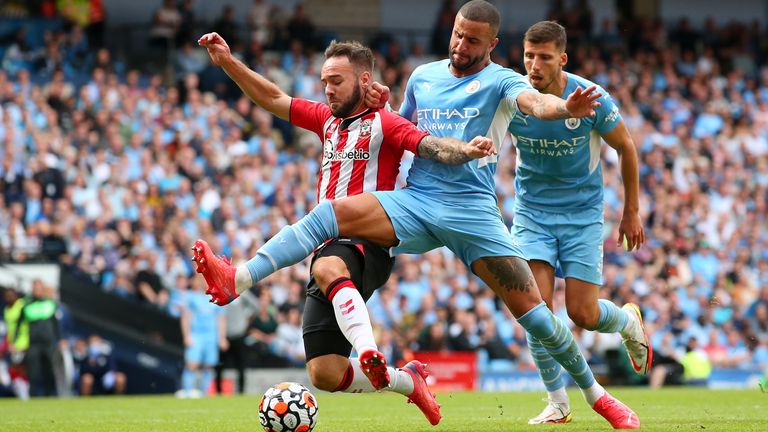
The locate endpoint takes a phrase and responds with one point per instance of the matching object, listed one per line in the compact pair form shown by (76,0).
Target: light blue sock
(559,342)
(205,380)
(549,369)
(613,319)
(294,242)
(187,379)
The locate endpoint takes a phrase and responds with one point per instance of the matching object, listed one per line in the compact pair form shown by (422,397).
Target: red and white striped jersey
(361,153)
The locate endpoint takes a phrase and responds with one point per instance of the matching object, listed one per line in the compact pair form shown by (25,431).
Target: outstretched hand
(582,103)
(217,47)
(377,95)
(481,147)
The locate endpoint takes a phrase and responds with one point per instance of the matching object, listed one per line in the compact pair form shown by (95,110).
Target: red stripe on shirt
(333,180)
(357,180)
(332,126)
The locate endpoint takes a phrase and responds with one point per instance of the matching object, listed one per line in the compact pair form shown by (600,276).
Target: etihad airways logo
(549,147)
(433,114)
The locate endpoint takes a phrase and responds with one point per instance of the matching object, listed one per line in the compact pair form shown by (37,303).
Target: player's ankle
(243,279)
(366,348)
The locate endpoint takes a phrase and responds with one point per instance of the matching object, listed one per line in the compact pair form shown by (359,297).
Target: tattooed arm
(452,151)
(580,103)
(543,106)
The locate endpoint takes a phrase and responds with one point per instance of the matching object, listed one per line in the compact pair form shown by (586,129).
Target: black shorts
(369,268)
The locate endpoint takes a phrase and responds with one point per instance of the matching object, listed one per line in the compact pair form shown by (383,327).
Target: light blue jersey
(558,161)
(559,188)
(446,106)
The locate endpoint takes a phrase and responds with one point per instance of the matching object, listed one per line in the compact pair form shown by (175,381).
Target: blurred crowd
(117,175)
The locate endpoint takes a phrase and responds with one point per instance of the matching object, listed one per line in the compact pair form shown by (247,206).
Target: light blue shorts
(573,240)
(204,350)
(471,230)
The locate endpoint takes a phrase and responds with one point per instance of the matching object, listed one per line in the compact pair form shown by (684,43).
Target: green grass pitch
(685,409)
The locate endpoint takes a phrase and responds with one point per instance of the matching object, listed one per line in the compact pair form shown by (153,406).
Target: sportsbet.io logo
(331,155)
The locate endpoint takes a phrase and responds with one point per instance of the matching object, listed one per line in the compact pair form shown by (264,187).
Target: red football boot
(218,272)
(618,415)
(421,396)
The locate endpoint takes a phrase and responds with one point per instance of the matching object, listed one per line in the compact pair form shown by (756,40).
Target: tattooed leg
(511,279)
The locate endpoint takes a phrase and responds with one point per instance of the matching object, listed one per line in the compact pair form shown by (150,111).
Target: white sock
(21,388)
(243,279)
(559,396)
(593,393)
(352,317)
(631,322)
(400,381)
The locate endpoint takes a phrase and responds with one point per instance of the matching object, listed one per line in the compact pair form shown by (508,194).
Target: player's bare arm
(260,90)
(580,103)
(631,226)
(452,151)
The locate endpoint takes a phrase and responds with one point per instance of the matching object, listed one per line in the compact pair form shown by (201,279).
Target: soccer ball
(288,407)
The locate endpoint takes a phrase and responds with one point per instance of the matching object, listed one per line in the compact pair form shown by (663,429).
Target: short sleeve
(409,100)
(607,115)
(309,115)
(400,132)
(512,84)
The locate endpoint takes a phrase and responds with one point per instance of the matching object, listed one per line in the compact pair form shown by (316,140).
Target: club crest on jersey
(473,87)
(572,123)
(365,128)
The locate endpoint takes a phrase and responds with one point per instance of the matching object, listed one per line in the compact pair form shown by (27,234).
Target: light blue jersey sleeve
(408,107)
(607,115)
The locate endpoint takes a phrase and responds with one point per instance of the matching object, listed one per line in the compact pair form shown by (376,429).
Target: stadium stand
(112,171)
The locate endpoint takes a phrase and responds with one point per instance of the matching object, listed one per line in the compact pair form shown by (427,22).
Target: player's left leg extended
(331,369)
(358,216)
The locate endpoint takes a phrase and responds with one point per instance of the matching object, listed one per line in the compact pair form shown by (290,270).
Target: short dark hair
(546,31)
(358,54)
(482,11)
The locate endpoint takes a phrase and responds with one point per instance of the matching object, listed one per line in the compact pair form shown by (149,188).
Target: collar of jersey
(349,120)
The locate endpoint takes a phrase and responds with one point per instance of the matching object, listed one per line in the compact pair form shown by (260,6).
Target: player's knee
(323,379)
(585,318)
(327,269)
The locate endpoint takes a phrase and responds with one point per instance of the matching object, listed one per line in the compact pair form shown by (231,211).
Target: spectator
(97,372)
(696,366)
(300,27)
(187,23)
(237,317)
(148,282)
(226,26)
(289,342)
(263,326)
(441,32)
(165,25)
(258,22)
